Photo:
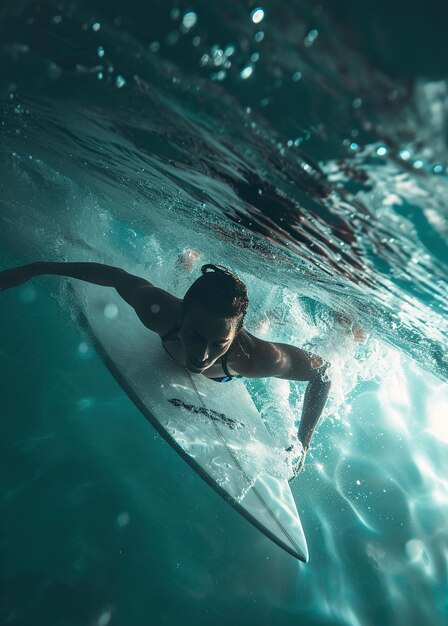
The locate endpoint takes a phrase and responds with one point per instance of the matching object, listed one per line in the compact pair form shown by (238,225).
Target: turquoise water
(316,171)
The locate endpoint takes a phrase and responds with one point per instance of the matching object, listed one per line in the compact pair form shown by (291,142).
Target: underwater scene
(303,145)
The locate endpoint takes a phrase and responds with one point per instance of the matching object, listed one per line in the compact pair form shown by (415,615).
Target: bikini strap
(224,365)
(170,333)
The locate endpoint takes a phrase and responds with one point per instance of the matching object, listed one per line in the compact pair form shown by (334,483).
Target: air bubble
(311,38)
(405,155)
(123,519)
(415,549)
(189,19)
(219,75)
(257,15)
(247,72)
(83,348)
(111,311)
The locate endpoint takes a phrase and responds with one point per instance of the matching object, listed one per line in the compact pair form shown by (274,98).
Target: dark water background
(308,153)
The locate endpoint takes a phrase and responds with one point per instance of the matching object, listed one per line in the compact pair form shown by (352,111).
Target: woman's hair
(220,292)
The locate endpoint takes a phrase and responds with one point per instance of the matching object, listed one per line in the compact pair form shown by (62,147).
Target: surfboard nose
(272,509)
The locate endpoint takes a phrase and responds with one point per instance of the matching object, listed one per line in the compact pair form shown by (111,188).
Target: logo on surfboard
(214,415)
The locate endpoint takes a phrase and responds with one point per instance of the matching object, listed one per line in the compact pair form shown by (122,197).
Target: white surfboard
(215,427)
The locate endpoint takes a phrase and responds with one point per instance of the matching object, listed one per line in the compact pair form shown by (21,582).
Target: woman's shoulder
(253,357)
(240,350)
(157,309)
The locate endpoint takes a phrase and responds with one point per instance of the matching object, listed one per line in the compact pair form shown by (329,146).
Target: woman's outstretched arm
(96,273)
(154,306)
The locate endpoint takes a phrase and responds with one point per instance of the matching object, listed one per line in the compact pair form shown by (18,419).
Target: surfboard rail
(186,415)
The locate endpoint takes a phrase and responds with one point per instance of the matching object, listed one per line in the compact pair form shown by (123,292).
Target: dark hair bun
(219,291)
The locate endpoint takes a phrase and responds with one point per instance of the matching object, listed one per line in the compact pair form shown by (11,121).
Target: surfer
(204,331)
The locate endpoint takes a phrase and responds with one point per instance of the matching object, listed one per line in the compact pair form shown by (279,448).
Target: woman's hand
(18,275)
(187,259)
(358,333)
(298,452)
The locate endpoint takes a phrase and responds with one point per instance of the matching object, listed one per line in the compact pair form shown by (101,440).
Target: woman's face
(205,337)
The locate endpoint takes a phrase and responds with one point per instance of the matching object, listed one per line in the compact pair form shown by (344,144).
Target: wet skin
(202,337)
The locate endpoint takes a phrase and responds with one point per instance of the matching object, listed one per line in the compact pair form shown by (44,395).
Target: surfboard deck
(215,427)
